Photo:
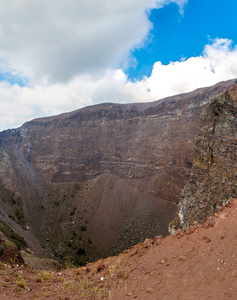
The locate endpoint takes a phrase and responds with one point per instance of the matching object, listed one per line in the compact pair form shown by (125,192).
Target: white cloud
(57,40)
(69,50)
(218,62)
(18,104)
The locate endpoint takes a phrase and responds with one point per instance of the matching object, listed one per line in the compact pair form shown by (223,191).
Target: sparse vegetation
(21,284)
(20,216)
(77,186)
(13,236)
(13,201)
(83,228)
(81,251)
(73,211)
(222,236)
(47,275)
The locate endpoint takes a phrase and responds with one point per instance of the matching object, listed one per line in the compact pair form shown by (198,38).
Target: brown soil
(199,263)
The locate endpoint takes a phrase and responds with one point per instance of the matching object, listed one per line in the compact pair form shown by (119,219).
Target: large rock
(213,179)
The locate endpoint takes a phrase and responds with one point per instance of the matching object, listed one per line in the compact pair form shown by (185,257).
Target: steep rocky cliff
(143,143)
(213,179)
(89,183)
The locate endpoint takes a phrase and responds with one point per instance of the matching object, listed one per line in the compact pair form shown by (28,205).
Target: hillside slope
(199,263)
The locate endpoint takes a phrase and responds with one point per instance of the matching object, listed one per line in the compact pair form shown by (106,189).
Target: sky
(60,55)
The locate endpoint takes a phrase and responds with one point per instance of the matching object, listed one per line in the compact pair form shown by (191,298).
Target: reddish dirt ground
(199,263)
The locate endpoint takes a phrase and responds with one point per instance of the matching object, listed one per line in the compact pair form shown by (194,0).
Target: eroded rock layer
(149,144)
(213,179)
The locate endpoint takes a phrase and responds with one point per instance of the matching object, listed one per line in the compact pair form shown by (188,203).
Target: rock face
(149,144)
(213,179)
(94,181)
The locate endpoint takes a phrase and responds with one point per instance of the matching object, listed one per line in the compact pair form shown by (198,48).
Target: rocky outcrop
(213,179)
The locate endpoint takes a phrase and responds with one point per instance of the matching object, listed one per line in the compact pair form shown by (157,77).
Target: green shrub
(83,228)
(77,186)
